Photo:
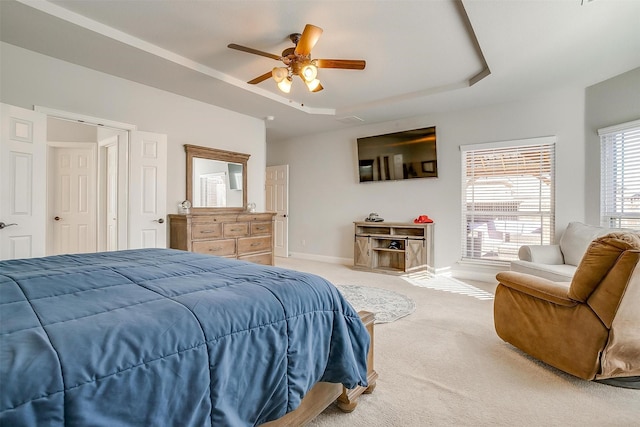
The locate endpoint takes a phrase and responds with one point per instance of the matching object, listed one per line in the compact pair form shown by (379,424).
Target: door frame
(123,168)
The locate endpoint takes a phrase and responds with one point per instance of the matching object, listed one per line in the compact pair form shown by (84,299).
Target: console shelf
(393,247)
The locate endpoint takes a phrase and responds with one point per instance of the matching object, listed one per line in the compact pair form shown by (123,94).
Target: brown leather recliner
(589,327)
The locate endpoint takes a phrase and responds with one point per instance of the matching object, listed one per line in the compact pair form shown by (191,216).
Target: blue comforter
(158,337)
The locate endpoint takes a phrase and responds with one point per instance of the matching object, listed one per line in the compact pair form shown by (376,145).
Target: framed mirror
(216,179)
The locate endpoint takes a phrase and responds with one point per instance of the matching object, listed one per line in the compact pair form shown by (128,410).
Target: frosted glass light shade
(279,74)
(285,85)
(313,84)
(309,72)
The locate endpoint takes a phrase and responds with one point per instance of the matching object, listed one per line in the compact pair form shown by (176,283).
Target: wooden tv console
(393,247)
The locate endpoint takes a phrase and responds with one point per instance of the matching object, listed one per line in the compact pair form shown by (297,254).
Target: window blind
(508,193)
(620,175)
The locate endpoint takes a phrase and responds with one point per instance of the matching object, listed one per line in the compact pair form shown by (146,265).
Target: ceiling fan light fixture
(309,72)
(285,85)
(279,74)
(297,61)
(313,85)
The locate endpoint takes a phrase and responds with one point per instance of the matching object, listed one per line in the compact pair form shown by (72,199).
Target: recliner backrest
(606,266)
(607,297)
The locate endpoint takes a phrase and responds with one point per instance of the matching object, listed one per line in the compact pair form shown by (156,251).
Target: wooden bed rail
(324,394)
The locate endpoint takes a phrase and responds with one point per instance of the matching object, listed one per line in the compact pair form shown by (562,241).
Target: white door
(277,200)
(74,190)
(23,183)
(147,190)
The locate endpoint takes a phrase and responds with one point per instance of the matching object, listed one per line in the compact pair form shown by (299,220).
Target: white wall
(28,78)
(325,196)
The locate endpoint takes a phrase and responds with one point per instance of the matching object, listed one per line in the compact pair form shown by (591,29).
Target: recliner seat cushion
(555,272)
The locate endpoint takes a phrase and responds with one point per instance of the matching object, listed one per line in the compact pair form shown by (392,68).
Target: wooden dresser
(245,236)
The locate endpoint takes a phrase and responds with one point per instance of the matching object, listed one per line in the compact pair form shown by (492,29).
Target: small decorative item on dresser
(373,217)
(184,207)
(423,219)
(251,207)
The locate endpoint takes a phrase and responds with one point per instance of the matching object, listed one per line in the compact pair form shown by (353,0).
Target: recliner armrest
(543,254)
(537,287)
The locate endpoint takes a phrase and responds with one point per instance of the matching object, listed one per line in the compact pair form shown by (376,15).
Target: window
(620,175)
(508,192)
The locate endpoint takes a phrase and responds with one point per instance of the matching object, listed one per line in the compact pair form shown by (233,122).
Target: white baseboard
(322,258)
(461,270)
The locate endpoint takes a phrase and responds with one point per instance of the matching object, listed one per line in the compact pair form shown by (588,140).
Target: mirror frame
(220,155)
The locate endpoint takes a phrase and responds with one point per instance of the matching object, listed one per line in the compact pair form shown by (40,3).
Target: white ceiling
(422,56)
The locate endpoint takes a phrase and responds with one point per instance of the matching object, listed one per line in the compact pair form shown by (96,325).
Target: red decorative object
(422,219)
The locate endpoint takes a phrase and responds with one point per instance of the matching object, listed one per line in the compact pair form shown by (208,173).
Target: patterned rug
(387,305)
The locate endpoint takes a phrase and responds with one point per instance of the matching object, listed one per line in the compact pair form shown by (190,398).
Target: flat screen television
(399,155)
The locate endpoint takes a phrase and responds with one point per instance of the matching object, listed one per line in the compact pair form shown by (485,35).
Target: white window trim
(619,128)
(510,143)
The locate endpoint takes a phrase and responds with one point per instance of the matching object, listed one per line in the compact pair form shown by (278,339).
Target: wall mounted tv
(399,155)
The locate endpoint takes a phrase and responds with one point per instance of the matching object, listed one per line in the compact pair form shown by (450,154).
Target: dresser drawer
(222,247)
(254,244)
(236,229)
(258,228)
(264,259)
(206,231)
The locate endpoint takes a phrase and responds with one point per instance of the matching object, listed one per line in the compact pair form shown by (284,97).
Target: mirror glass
(216,179)
(216,184)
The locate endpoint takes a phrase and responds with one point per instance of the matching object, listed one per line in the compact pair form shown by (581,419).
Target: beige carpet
(443,365)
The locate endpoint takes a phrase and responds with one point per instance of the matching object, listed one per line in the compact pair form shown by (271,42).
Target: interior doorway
(130,185)
(84,186)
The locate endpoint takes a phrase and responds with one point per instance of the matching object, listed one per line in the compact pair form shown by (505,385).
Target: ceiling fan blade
(260,79)
(254,51)
(347,64)
(308,40)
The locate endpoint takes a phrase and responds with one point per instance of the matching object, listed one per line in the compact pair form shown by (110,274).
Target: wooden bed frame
(324,394)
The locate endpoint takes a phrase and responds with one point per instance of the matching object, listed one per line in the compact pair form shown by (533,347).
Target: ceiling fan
(297,61)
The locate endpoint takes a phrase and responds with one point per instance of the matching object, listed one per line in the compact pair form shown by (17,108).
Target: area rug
(387,306)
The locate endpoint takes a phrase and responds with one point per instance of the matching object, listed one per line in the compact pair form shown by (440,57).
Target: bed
(173,338)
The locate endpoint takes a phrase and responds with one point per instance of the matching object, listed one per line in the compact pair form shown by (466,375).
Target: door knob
(57,218)
(3,225)
(160,220)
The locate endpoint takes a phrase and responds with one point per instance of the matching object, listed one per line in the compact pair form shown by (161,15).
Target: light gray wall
(28,78)
(325,196)
(608,103)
